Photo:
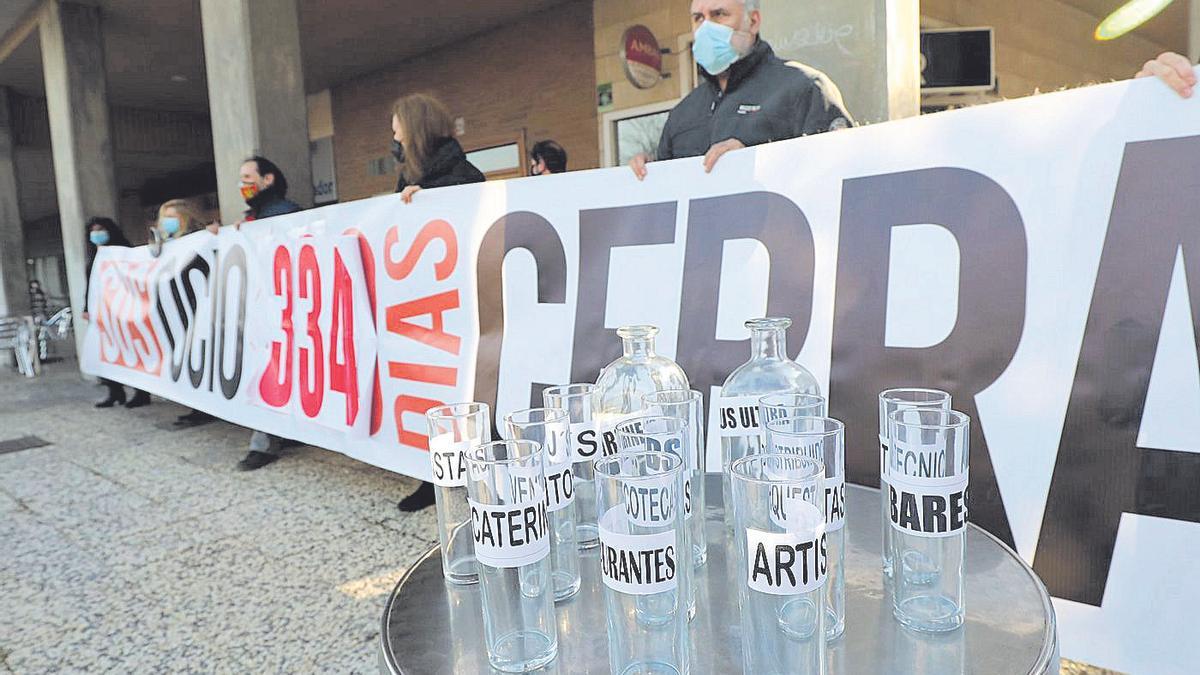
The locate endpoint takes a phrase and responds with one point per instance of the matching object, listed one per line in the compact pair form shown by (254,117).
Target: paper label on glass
(585,442)
(511,535)
(792,509)
(637,564)
(835,503)
(738,416)
(449,460)
(883,449)
(606,425)
(650,502)
(560,488)
(786,563)
(927,507)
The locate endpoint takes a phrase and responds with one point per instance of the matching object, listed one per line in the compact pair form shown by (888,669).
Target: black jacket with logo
(448,166)
(767,99)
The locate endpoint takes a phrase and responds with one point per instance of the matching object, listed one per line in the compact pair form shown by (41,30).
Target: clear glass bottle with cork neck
(623,382)
(768,371)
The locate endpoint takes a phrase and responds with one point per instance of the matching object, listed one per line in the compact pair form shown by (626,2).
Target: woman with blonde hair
(424,146)
(176,218)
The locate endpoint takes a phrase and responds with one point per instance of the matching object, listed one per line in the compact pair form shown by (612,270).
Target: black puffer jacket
(766,99)
(447,166)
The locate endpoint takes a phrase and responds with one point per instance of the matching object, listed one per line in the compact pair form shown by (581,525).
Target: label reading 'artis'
(786,563)
(448,460)
(738,416)
(637,564)
(511,535)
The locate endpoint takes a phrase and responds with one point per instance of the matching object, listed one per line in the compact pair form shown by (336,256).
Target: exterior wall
(534,75)
(669,20)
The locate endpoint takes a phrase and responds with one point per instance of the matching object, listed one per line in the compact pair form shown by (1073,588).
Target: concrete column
(256,94)
(870,48)
(14,286)
(80,133)
(1194,32)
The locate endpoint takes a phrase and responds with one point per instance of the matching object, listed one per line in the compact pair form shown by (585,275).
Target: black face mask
(398,151)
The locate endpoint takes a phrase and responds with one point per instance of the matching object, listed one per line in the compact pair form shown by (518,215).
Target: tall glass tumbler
(639,498)
(549,428)
(784,404)
(822,439)
(507,489)
(890,401)
(581,403)
(665,434)
(688,405)
(453,430)
(928,469)
(782,562)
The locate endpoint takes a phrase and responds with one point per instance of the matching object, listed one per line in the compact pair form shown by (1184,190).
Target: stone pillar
(80,133)
(870,48)
(14,286)
(256,94)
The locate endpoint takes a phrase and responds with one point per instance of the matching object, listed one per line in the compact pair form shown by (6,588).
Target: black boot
(256,460)
(420,499)
(193,418)
(139,399)
(116,394)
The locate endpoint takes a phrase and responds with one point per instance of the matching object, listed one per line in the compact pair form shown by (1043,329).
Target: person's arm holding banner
(1174,70)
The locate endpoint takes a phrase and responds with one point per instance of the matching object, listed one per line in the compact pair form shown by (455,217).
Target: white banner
(1037,258)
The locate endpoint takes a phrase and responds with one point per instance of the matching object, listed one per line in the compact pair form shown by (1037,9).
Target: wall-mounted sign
(956,60)
(641,56)
(604,99)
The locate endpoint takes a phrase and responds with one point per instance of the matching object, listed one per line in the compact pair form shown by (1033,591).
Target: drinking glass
(890,401)
(581,403)
(688,405)
(549,428)
(507,495)
(789,404)
(822,439)
(454,429)
(639,497)
(781,563)
(665,434)
(927,503)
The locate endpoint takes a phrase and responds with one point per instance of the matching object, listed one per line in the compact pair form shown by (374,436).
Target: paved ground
(126,547)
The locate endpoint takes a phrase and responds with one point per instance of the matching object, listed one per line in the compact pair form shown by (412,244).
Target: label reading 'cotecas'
(637,564)
(786,563)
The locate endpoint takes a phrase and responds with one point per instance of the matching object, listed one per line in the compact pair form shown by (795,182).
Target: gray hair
(752,5)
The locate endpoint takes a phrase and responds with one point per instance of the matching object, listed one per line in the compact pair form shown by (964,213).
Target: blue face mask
(98,237)
(713,47)
(170,225)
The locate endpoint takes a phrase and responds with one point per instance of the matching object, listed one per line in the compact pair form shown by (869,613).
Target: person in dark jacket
(425,149)
(429,157)
(749,97)
(264,187)
(104,232)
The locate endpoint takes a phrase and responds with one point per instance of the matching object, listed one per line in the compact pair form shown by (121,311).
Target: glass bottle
(768,371)
(622,383)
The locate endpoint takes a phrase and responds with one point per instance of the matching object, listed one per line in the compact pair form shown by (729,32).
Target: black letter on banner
(178,347)
(600,231)
(991,312)
(195,375)
(516,230)
(1101,472)
(780,225)
(236,258)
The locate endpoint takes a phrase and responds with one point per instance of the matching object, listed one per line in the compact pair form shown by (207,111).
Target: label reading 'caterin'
(637,564)
(511,535)
(786,563)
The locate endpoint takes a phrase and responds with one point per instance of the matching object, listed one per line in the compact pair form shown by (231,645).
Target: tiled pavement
(126,547)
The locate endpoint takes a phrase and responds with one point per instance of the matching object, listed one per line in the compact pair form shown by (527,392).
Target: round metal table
(430,626)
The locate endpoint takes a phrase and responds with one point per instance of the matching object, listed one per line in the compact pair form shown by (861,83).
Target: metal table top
(430,626)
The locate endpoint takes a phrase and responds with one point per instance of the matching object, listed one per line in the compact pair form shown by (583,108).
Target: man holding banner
(750,96)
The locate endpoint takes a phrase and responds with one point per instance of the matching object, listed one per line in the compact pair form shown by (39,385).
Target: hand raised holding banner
(1173,69)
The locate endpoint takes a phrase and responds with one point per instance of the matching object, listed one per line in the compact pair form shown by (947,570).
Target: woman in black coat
(424,146)
(104,232)
(429,157)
